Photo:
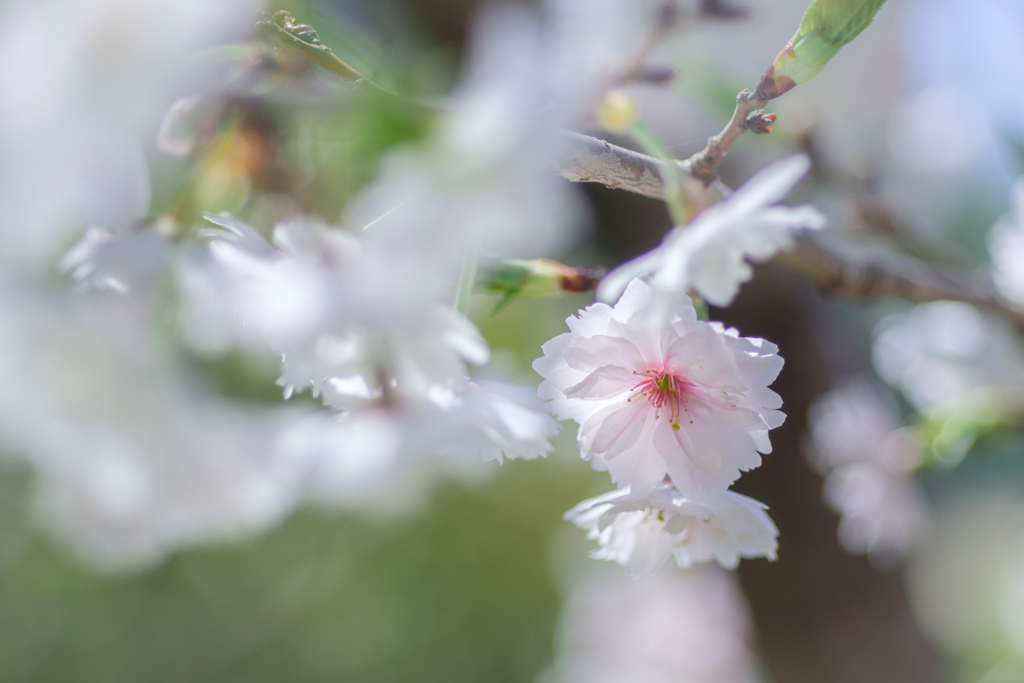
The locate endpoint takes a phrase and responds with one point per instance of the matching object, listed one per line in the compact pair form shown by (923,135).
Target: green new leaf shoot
(826,27)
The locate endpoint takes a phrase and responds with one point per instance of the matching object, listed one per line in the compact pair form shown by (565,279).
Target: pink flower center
(664,390)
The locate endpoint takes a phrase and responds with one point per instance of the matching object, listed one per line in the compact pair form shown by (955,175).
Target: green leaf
(838,21)
(827,26)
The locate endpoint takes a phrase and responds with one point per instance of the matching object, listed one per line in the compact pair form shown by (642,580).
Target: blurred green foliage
(460,594)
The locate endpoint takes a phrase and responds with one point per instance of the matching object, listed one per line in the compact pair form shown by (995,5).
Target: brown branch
(589,160)
(748,115)
(833,267)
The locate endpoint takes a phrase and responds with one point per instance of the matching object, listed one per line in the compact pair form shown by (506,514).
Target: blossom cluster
(672,406)
(137,454)
(674,409)
(867,459)
(136,449)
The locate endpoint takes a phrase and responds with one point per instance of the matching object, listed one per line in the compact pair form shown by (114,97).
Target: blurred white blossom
(947,353)
(868,461)
(387,456)
(504,421)
(710,255)
(1006,246)
(134,456)
(103,260)
(374,345)
(677,627)
(85,83)
(685,397)
(334,308)
(641,531)
(852,424)
(485,176)
(881,513)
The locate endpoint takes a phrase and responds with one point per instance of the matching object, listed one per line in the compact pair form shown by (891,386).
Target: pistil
(663,388)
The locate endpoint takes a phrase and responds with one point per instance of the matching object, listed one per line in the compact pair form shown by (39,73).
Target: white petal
(601,350)
(620,429)
(605,382)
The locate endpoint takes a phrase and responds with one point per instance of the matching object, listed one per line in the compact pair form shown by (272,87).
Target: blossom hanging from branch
(710,254)
(666,399)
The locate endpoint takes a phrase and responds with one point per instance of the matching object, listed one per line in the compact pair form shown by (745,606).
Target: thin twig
(668,20)
(748,115)
(833,267)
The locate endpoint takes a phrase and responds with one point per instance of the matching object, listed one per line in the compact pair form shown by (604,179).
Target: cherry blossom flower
(642,531)
(710,254)
(685,397)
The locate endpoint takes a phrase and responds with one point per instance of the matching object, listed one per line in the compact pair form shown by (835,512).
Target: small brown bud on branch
(758,122)
(656,74)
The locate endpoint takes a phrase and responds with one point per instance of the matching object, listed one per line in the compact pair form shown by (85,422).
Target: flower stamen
(663,389)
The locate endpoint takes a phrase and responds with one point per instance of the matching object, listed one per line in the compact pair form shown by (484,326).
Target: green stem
(279,30)
(672,174)
(467,275)
(701,306)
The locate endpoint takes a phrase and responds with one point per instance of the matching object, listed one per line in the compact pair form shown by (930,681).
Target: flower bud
(617,112)
(516,279)
(827,26)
